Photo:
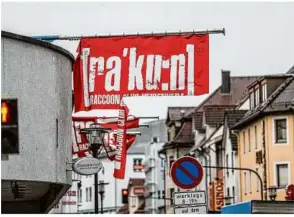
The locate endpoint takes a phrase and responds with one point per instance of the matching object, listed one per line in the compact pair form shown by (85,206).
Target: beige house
(266,138)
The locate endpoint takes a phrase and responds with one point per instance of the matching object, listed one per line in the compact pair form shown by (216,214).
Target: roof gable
(277,96)
(177,113)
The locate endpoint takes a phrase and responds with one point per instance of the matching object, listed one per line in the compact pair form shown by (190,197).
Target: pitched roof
(267,105)
(283,100)
(214,115)
(177,113)
(238,93)
(185,134)
(198,120)
(232,117)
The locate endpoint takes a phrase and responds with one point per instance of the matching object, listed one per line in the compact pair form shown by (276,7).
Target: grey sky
(259,39)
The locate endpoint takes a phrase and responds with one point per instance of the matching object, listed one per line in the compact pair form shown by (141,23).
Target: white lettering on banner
(113,63)
(135,70)
(82,146)
(114,99)
(190,50)
(177,72)
(119,139)
(84,57)
(100,69)
(154,64)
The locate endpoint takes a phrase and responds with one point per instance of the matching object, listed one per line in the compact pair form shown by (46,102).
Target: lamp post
(101,192)
(95,135)
(272,193)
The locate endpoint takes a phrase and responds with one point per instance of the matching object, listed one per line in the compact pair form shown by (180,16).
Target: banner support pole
(74,38)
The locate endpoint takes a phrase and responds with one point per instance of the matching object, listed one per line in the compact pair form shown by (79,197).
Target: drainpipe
(264,159)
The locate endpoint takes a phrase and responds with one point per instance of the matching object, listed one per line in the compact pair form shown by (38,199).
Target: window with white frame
(252,100)
(257,97)
(245,183)
(255,137)
(282,174)
(244,143)
(138,165)
(249,142)
(280,125)
(264,92)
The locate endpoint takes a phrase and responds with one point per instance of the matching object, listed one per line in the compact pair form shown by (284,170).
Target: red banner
(130,139)
(80,143)
(121,149)
(107,69)
(132,122)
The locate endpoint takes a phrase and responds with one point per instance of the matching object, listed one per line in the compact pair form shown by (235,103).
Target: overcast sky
(259,36)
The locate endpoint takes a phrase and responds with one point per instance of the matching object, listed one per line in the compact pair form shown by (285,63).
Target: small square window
(138,165)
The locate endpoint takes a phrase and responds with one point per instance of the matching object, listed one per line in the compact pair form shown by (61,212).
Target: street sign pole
(187,173)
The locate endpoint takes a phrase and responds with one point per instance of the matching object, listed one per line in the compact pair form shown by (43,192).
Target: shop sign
(87,166)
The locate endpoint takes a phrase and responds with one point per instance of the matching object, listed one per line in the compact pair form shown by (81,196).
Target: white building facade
(112,200)
(154,168)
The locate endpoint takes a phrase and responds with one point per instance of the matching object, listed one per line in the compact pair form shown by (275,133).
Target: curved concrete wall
(39,76)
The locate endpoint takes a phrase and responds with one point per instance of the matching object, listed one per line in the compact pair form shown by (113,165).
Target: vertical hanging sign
(121,143)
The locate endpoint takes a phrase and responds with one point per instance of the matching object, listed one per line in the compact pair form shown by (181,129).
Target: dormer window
(264,92)
(252,100)
(257,96)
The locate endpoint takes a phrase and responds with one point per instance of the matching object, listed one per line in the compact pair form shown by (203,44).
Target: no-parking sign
(186,172)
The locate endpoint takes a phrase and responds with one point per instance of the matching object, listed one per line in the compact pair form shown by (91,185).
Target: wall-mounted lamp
(272,193)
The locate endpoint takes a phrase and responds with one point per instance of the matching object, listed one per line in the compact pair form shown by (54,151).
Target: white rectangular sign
(189,198)
(191,210)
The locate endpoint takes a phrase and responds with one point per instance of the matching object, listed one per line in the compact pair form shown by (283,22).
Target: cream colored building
(266,138)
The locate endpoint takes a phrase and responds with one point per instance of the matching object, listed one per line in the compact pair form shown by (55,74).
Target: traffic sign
(189,198)
(191,210)
(186,172)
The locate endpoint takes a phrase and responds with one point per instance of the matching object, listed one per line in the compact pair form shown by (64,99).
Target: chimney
(226,82)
